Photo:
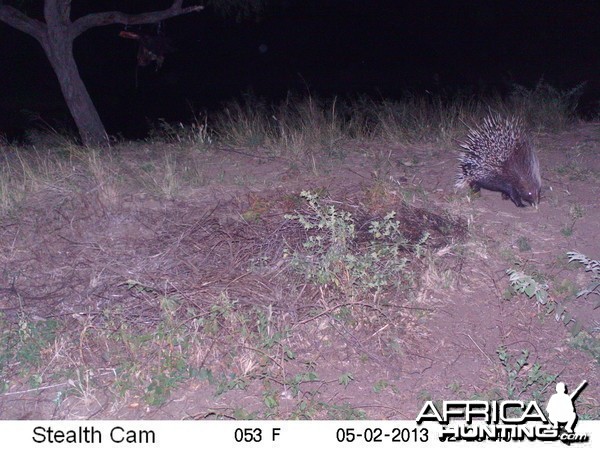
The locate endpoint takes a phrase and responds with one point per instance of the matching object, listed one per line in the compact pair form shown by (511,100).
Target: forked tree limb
(16,19)
(37,29)
(111,17)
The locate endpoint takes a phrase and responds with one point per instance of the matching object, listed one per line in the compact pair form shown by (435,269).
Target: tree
(56,36)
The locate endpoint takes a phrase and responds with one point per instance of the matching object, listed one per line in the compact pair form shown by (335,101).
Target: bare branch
(16,19)
(111,17)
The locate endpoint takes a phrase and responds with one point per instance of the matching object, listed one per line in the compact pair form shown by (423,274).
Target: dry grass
(300,127)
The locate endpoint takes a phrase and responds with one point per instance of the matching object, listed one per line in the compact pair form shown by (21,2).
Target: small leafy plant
(520,381)
(528,285)
(333,256)
(591,265)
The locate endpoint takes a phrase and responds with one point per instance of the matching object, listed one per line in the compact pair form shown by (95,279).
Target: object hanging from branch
(151,47)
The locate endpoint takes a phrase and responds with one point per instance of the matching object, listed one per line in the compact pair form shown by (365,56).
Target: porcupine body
(497,155)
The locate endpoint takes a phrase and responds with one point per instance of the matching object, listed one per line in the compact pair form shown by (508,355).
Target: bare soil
(80,255)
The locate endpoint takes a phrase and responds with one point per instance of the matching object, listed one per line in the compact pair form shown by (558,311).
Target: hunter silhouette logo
(507,420)
(561,407)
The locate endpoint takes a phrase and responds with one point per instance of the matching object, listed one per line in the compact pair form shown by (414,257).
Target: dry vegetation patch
(108,298)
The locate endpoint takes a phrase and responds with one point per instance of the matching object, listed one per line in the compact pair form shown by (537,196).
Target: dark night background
(330,47)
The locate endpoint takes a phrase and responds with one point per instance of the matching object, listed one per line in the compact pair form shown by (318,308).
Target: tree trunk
(58,45)
(59,49)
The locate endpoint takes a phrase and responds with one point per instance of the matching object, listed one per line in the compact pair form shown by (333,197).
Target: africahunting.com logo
(509,420)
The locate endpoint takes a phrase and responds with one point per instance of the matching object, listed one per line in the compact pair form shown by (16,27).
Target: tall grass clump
(414,119)
(12,188)
(544,106)
(24,171)
(196,136)
(52,169)
(294,126)
(298,126)
(308,125)
(244,124)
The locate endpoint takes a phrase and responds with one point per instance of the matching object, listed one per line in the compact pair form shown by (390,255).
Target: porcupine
(498,155)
